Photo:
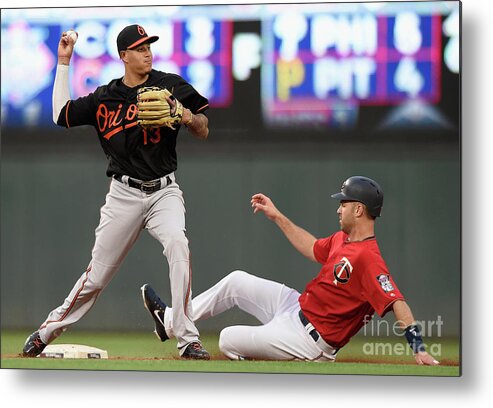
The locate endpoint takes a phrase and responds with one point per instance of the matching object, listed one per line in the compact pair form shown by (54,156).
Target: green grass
(137,351)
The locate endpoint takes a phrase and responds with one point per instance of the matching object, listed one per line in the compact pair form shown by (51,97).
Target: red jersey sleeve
(379,288)
(321,249)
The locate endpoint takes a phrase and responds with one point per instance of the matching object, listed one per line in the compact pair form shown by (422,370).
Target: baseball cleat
(33,345)
(195,351)
(156,308)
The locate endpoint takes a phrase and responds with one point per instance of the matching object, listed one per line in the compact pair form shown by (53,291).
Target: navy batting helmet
(363,190)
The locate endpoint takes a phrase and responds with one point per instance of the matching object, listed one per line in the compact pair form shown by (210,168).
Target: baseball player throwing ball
(353,283)
(137,119)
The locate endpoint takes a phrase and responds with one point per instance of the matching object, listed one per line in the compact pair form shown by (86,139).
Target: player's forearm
(403,314)
(197,124)
(412,333)
(61,91)
(301,239)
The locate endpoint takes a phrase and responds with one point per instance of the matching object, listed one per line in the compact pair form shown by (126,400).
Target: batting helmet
(363,190)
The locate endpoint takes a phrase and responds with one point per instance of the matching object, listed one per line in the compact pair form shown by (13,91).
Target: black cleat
(156,308)
(195,351)
(33,345)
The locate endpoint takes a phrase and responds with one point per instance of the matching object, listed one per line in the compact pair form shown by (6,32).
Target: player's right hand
(423,358)
(261,202)
(65,48)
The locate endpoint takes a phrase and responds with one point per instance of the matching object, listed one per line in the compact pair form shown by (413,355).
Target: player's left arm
(405,319)
(197,124)
(194,107)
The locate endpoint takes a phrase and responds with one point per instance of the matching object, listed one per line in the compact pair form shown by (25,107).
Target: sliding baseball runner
(353,284)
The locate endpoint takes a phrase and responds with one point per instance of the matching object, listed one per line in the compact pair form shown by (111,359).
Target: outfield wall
(51,194)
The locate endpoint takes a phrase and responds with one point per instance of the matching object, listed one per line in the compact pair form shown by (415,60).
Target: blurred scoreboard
(319,63)
(198,49)
(321,68)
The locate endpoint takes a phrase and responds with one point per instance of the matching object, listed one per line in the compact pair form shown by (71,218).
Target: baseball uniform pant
(126,212)
(281,336)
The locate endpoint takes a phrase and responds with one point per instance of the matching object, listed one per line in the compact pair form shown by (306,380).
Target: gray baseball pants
(125,214)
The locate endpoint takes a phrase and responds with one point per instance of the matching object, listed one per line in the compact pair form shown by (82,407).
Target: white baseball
(72,34)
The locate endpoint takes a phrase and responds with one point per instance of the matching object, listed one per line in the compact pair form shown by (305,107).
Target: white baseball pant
(125,214)
(281,336)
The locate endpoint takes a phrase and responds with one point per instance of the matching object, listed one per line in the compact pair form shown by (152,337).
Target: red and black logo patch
(342,271)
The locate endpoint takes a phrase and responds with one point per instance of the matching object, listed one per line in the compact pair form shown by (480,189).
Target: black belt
(314,333)
(144,186)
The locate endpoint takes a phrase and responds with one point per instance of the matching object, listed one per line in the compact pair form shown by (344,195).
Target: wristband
(413,337)
(190,121)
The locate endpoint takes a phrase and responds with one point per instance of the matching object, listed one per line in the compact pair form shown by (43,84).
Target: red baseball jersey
(353,283)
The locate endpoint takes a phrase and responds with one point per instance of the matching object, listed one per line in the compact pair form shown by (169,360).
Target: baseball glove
(154,111)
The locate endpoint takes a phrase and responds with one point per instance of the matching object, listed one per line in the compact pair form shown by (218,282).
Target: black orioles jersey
(145,154)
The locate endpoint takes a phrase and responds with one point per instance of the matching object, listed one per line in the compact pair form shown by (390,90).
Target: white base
(73,351)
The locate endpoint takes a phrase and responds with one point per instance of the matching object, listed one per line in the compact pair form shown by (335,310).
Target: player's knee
(237,276)
(226,344)
(176,246)
(98,276)
(233,284)
(177,238)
